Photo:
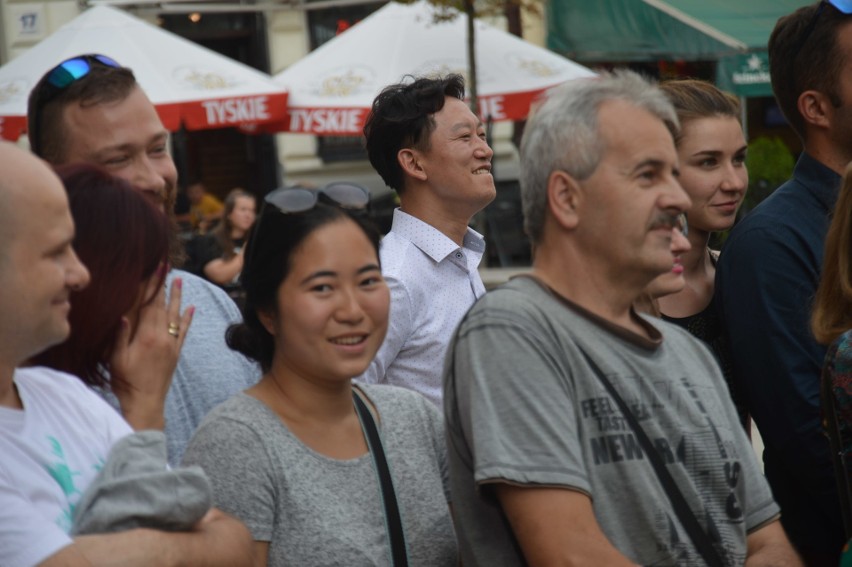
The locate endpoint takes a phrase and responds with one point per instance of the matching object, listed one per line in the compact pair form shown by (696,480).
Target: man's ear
(268,321)
(564,196)
(816,108)
(409,161)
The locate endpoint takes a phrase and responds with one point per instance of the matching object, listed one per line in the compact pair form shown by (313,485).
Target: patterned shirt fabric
(837,378)
(433,282)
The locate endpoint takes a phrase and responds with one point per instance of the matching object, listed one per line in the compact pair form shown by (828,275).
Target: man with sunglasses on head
(768,274)
(430,148)
(90,109)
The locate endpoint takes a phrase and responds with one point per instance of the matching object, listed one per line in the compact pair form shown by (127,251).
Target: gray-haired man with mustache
(553,379)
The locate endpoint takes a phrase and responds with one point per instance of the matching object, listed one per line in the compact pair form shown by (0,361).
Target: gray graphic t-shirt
(523,405)
(315,510)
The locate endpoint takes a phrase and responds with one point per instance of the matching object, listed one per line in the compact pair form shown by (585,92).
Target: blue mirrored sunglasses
(844,6)
(76,68)
(54,82)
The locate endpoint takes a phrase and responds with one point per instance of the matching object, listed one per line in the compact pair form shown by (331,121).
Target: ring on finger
(174,329)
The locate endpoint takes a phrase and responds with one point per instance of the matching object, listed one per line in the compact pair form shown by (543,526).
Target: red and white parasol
(331,89)
(188,84)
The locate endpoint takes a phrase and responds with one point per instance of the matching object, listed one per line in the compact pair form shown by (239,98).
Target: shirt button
(458,254)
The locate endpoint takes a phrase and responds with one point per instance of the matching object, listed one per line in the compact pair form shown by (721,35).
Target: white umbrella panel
(331,89)
(188,84)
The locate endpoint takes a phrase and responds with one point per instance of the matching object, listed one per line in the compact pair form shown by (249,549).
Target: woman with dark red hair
(124,338)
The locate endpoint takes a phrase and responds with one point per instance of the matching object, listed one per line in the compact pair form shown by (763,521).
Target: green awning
(728,31)
(744,74)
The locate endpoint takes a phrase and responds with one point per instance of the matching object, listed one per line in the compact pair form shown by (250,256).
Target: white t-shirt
(49,454)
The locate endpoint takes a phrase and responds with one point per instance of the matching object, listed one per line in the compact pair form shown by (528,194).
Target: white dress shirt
(433,282)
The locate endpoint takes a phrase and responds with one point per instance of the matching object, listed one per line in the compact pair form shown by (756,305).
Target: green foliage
(770,163)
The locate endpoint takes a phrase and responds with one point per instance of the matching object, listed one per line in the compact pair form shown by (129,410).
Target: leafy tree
(770,163)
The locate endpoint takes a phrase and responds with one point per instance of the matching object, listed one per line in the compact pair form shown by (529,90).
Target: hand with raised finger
(145,357)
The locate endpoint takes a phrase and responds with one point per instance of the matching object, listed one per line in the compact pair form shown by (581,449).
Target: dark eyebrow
(712,153)
(651,162)
(331,274)
(462,125)
(320,274)
(59,247)
(719,153)
(115,148)
(158,137)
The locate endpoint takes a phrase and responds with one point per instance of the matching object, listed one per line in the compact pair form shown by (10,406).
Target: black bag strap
(702,542)
(838,457)
(399,555)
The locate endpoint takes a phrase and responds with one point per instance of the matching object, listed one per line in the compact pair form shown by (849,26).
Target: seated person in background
(54,432)
(832,325)
(290,456)
(220,252)
(204,208)
(123,239)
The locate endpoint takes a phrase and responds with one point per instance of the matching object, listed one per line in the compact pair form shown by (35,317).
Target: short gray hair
(563,134)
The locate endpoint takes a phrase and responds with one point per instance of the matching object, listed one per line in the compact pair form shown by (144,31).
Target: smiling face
(332,306)
(457,164)
(126,138)
(38,267)
(712,155)
(629,205)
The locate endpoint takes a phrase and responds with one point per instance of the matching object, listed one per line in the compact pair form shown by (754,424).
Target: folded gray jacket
(136,489)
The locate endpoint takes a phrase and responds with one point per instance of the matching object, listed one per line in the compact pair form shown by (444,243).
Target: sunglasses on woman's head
(300,199)
(293,200)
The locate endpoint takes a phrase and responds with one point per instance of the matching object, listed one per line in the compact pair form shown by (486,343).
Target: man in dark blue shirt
(769,270)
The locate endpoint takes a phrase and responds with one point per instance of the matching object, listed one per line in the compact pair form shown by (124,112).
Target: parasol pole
(471,55)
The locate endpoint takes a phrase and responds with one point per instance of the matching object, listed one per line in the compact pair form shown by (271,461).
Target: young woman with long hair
(125,338)
(712,150)
(293,456)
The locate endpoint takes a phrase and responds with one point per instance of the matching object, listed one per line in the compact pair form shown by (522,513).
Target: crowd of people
(366,402)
